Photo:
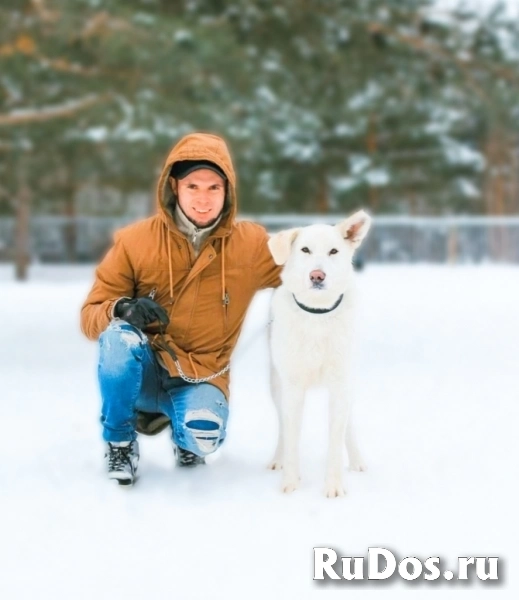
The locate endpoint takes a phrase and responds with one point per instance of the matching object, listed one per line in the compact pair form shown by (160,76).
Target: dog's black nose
(317,276)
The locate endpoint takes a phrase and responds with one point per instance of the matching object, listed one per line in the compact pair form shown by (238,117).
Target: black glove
(140,312)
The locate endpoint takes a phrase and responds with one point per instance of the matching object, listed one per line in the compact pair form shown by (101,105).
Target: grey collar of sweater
(194,234)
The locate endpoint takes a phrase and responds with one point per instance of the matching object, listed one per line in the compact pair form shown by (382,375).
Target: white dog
(310,339)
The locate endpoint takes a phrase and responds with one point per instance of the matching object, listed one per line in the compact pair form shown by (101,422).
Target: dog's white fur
(309,349)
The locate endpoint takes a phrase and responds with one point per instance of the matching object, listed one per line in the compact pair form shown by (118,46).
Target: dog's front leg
(355,458)
(292,412)
(275,387)
(338,416)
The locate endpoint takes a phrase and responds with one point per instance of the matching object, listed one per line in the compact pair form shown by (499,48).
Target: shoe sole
(123,479)
(125,482)
(190,465)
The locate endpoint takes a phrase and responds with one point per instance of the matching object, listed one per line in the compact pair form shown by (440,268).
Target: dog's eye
(333,251)
(305,249)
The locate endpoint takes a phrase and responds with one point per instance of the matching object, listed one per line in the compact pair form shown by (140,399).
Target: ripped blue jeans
(130,380)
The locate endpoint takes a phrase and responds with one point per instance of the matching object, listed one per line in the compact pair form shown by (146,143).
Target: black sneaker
(122,459)
(185,458)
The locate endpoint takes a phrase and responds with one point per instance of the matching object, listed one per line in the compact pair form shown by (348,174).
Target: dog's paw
(275,465)
(334,489)
(289,485)
(357,465)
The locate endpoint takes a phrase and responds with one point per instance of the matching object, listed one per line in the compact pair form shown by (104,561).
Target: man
(167,306)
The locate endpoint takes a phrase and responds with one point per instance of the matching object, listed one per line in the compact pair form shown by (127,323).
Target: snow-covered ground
(437,396)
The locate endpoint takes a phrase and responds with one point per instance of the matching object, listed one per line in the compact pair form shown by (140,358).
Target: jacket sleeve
(266,272)
(114,279)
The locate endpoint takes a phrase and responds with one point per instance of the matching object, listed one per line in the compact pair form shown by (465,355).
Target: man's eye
(306,250)
(333,251)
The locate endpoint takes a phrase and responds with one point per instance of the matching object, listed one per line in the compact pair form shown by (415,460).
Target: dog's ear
(354,228)
(280,244)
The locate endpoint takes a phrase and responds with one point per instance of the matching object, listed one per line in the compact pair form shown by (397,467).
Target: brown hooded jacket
(206,296)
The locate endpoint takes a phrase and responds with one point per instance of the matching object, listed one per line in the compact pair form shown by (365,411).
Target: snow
(483,7)
(435,380)
(358,163)
(345,130)
(377,177)
(362,99)
(271,65)
(142,18)
(96,134)
(443,119)
(265,94)
(468,188)
(182,35)
(343,184)
(359,168)
(298,144)
(458,153)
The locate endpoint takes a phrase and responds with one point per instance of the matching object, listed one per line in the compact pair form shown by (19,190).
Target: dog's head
(318,259)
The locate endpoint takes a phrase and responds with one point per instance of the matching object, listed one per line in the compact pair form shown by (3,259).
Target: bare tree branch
(60,64)
(48,113)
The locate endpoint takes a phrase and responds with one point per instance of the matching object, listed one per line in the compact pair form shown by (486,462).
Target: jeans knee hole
(202,425)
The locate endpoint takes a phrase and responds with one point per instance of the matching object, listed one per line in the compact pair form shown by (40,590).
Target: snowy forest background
(405,107)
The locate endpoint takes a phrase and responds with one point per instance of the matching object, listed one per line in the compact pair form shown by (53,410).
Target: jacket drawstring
(225,297)
(170,267)
(192,364)
(225,301)
(223,271)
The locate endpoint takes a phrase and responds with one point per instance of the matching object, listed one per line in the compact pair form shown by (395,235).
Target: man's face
(201,195)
